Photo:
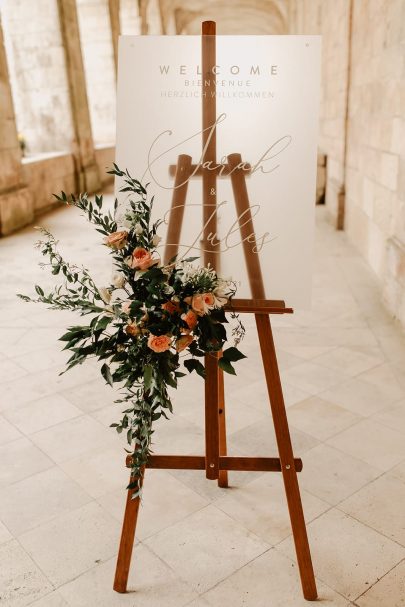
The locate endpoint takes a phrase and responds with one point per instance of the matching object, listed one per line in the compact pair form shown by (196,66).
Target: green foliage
(139,329)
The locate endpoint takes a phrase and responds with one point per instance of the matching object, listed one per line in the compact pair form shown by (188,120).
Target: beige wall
(97,50)
(373,172)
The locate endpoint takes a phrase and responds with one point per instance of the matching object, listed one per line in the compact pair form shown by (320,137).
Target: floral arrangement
(149,320)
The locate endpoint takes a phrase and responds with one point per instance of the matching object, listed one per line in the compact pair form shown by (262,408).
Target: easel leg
(286,456)
(127,542)
(212,416)
(223,474)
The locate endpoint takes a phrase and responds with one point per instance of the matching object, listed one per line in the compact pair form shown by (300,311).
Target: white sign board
(267,95)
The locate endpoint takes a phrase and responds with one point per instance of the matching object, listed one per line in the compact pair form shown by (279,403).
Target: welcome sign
(267,96)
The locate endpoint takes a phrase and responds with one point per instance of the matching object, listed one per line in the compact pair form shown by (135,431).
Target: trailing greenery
(149,320)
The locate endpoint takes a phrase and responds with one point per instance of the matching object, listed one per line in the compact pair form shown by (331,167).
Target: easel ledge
(258,306)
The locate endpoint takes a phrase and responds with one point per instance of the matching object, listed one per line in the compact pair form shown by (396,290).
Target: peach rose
(141,259)
(116,240)
(171,307)
(190,319)
(202,302)
(159,343)
(183,342)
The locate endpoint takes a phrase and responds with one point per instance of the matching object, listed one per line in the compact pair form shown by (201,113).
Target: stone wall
(372,173)
(97,50)
(331,19)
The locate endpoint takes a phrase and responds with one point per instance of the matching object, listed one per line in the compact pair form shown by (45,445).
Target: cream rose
(117,240)
(159,343)
(118,280)
(202,302)
(105,295)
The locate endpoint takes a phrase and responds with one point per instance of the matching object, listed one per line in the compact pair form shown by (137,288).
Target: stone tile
(73,438)
(259,439)
(238,415)
(313,378)
(333,475)
(261,507)
(21,581)
(398,471)
(91,396)
(54,599)
(187,437)
(7,431)
(360,397)
(271,579)
(72,543)
(10,370)
(206,547)
(101,472)
(347,360)
(380,505)
(293,395)
(389,590)
(5,534)
(44,358)
(377,445)
(20,459)
(41,414)
(320,418)
(151,584)
(348,556)
(180,500)
(308,352)
(200,602)
(384,378)
(49,493)
(208,489)
(393,417)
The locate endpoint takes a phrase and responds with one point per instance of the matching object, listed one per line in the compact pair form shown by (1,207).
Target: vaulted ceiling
(232,16)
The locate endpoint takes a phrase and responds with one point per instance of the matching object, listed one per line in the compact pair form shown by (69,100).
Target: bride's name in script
(268,162)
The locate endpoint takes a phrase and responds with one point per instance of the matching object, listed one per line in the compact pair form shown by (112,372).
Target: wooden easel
(216,462)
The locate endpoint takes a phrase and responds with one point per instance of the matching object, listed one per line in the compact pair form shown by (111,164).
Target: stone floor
(62,476)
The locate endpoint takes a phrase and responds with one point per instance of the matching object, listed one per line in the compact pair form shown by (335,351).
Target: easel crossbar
(198,462)
(258,306)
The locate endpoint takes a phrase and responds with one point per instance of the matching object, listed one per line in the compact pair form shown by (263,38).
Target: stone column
(87,170)
(16,209)
(114,9)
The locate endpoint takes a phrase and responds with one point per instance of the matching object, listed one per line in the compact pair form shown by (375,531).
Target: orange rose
(142,259)
(171,307)
(190,319)
(183,342)
(202,302)
(116,240)
(132,329)
(159,343)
